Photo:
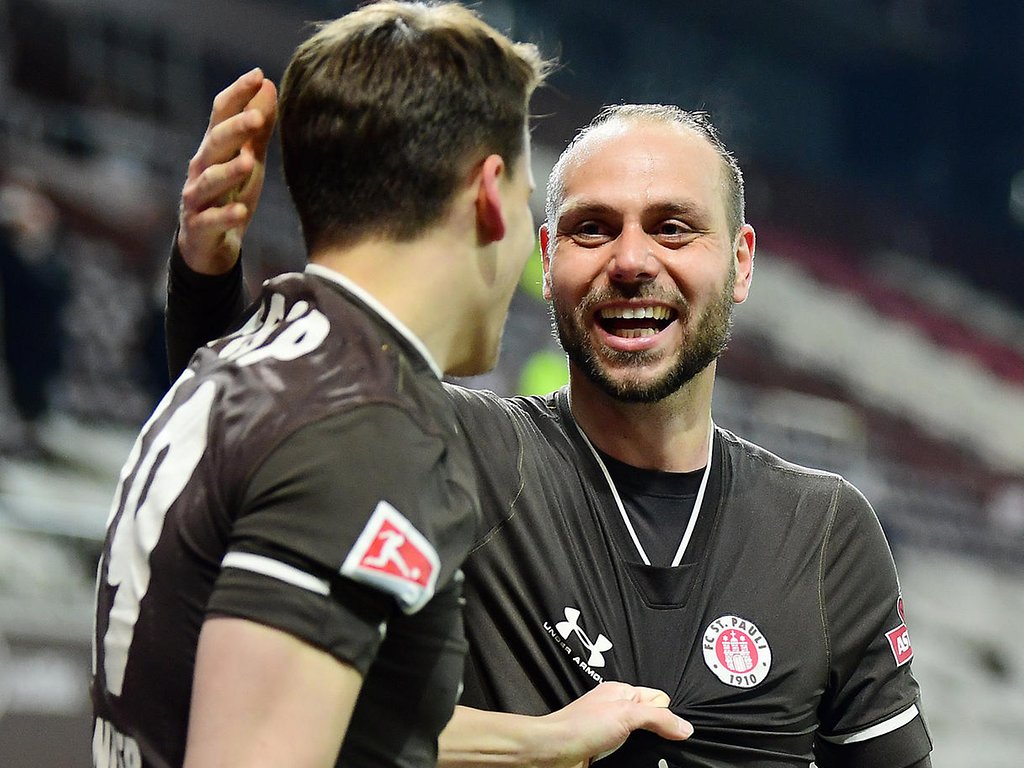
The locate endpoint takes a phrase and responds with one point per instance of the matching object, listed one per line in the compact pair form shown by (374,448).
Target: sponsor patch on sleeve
(393,556)
(899,639)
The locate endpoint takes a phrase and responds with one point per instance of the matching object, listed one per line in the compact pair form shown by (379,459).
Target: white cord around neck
(690,525)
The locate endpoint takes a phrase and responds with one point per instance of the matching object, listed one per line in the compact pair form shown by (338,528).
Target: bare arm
(594,725)
(262,697)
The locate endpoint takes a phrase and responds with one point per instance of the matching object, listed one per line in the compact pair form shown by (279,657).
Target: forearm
(597,723)
(199,309)
(478,738)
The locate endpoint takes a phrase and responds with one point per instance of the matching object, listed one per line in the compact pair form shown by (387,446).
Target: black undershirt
(659,505)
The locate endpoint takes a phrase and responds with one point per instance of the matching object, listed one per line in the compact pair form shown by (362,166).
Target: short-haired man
(280,582)
(626,537)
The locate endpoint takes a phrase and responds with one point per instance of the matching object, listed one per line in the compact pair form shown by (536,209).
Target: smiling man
(621,188)
(626,536)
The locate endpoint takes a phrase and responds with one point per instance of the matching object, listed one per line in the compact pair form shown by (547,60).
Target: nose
(632,259)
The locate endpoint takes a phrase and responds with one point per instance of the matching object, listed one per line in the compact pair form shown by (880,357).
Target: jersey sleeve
(199,308)
(870,712)
(347,521)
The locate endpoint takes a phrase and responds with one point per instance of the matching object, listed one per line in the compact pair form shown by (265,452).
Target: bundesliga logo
(393,556)
(736,651)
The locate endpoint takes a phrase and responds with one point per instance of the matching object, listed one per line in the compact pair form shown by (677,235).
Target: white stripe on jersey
(246,561)
(879,729)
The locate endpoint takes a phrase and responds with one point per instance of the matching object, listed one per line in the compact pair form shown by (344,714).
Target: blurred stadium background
(883,144)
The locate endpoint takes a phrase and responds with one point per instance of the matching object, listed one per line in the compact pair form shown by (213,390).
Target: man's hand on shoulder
(225,176)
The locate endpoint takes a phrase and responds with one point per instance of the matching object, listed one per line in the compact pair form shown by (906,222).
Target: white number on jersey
(162,473)
(173,455)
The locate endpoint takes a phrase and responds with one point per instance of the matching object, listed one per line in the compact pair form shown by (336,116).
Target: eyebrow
(683,209)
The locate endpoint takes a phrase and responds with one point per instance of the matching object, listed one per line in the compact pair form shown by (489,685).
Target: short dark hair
(384,110)
(699,122)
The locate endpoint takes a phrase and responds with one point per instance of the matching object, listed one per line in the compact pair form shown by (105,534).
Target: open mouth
(635,322)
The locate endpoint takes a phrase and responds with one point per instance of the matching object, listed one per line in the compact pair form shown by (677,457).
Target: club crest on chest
(736,651)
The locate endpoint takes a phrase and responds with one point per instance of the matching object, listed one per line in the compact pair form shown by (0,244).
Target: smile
(635,322)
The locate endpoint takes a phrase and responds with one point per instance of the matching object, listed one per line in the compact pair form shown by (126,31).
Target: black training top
(779,636)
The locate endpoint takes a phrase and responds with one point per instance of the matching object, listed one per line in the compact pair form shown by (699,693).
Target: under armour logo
(571,626)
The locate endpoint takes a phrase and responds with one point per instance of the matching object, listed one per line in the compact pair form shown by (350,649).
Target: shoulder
(750,459)
(325,349)
(484,412)
(484,403)
(839,506)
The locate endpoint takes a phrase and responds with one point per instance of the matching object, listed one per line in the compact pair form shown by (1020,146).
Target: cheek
(571,276)
(558,282)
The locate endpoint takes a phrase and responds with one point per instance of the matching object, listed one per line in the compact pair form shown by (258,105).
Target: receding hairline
(619,125)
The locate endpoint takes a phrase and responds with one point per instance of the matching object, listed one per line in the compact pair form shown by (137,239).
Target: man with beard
(626,537)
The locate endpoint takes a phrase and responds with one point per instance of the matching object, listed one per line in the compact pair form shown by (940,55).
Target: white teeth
(632,313)
(636,333)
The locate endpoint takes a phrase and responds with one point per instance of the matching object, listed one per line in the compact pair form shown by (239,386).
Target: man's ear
(490,217)
(744,262)
(545,259)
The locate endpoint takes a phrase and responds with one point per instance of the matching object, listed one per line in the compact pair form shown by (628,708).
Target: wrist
(482,738)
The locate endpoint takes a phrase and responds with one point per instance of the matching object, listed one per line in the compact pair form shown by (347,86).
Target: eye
(673,228)
(590,233)
(673,232)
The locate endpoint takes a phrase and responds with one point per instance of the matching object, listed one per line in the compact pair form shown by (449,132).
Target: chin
(477,360)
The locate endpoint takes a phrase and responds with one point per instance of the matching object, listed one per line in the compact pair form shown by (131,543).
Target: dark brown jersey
(780,635)
(305,473)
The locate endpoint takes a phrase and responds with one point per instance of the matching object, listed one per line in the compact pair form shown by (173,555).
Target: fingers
(225,176)
(647,709)
(650,696)
(243,116)
(213,185)
(660,721)
(215,221)
(264,102)
(225,140)
(236,96)
(612,690)
(234,143)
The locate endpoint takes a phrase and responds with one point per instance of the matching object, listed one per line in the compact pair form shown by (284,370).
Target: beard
(699,349)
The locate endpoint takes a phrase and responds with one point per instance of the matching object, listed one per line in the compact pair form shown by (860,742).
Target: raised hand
(225,176)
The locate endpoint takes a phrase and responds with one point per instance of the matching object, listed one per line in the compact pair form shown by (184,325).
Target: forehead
(631,164)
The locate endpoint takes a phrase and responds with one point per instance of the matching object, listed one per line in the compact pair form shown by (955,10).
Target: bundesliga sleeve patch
(899,639)
(393,556)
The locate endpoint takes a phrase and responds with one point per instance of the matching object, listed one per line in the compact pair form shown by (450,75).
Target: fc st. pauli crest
(736,651)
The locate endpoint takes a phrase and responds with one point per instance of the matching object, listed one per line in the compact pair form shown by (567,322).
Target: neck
(413,281)
(671,435)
